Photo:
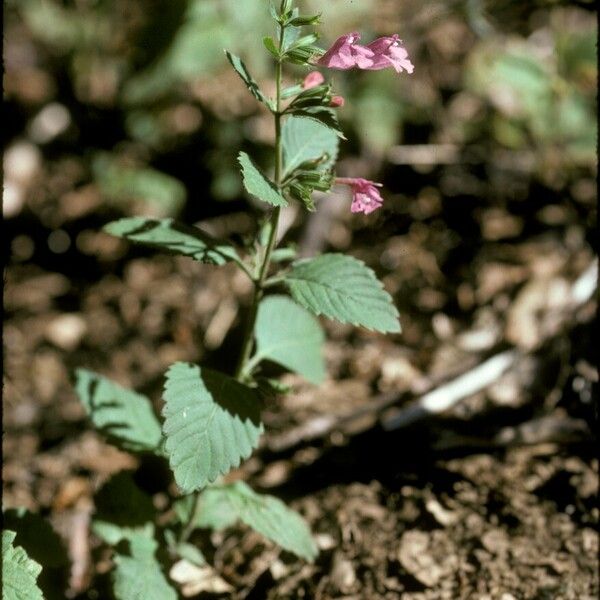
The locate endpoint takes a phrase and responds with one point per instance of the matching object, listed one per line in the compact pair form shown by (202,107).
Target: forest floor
(494,499)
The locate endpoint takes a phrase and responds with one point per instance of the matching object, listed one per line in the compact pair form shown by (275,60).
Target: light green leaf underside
(240,68)
(125,417)
(215,512)
(272,518)
(211,424)
(304,139)
(19,572)
(345,289)
(257,184)
(139,576)
(172,237)
(290,336)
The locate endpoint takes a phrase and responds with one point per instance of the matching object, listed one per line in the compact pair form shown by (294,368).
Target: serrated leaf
(19,572)
(272,518)
(211,423)
(240,68)
(345,289)
(125,417)
(289,335)
(175,238)
(122,511)
(139,576)
(37,537)
(305,140)
(257,184)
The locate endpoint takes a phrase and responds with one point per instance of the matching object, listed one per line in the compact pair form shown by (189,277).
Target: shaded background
(487,154)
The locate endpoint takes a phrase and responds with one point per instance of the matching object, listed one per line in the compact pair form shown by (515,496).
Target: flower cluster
(344,54)
(381,53)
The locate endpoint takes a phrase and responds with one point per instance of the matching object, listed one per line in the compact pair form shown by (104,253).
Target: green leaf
(176,238)
(125,417)
(345,289)
(122,510)
(214,513)
(305,20)
(272,518)
(19,572)
(305,140)
(184,550)
(257,184)
(284,254)
(37,537)
(270,45)
(240,68)
(211,423)
(323,116)
(139,576)
(290,336)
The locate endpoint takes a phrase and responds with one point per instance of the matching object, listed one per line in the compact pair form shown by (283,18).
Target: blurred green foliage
(540,93)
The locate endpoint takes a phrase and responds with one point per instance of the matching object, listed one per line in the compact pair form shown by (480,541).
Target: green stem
(259,281)
(259,284)
(191,524)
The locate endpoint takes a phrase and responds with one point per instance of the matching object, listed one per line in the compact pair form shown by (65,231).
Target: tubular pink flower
(345,53)
(365,195)
(337,101)
(389,51)
(312,80)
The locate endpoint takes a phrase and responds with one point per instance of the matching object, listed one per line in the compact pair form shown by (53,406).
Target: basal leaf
(289,335)
(139,575)
(125,417)
(240,68)
(211,423)
(272,518)
(345,289)
(305,140)
(257,184)
(19,572)
(175,238)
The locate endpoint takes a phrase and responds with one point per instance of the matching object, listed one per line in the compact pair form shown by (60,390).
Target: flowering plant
(211,419)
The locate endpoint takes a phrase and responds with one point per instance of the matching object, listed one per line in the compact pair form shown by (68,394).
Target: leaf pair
(211,422)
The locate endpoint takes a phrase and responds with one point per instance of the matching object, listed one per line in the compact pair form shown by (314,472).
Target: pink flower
(365,195)
(346,53)
(312,80)
(337,101)
(389,51)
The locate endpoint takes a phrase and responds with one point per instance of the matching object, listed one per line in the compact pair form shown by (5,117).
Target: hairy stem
(259,283)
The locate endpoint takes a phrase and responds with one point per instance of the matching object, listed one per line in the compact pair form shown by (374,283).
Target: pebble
(66,331)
